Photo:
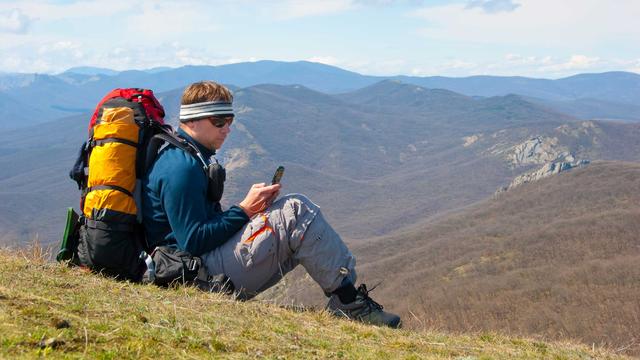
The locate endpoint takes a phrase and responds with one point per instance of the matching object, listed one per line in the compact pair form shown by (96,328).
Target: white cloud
(576,62)
(64,52)
(187,56)
(544,66)
(47,10)
(163,54)
(65,45)
(452,67)
(14,21)
(327,60)
(43,58)
(59,56)
(11,63)
(463,37)
(18,63)
(549,66)
(234,60)
(458,64)
(164,20)
(294,9)
(377,66)
(493,6)
(520,60)
(632,65)
(573,24)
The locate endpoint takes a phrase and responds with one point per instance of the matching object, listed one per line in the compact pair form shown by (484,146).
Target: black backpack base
(110,249)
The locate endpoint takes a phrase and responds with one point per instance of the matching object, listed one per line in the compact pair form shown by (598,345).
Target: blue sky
(536,38)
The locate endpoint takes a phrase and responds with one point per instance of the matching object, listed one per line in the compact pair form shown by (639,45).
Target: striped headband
(205,109)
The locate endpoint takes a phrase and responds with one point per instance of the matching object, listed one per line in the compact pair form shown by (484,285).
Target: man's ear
(191,125)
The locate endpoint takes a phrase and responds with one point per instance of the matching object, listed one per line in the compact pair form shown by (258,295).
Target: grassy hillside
(49,309)
(557,258)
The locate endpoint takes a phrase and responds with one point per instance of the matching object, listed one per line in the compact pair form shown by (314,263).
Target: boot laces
(371,304)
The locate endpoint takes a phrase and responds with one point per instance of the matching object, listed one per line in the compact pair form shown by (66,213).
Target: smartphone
(278,175)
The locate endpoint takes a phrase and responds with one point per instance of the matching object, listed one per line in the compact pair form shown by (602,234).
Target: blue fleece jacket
(175,207)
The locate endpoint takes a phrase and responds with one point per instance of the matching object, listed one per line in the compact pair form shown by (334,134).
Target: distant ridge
(464,111)
(88,70)
(82,87)
(605,86)
(396,94)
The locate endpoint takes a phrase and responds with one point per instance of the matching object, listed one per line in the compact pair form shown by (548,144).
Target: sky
(534,38)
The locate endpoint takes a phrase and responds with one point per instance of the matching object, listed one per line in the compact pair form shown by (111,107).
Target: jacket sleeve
(184,197)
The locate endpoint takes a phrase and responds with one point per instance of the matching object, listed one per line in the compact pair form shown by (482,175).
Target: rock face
(584,128)
(543,172)
(470,140)
(538,150)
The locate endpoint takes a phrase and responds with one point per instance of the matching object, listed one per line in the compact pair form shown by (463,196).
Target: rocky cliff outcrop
(470,140)
(539,150)
(546,170)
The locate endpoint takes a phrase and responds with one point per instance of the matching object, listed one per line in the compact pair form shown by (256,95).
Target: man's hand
(259,197)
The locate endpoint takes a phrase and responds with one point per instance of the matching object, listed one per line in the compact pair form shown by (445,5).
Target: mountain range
(33,98)
(360,149)
(362,145)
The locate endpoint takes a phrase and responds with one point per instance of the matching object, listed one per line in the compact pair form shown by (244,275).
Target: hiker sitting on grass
(256,242)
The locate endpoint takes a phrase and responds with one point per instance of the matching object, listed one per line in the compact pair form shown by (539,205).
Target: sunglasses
(220,121)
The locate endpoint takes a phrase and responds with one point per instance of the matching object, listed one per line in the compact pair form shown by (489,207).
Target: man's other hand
(259,197)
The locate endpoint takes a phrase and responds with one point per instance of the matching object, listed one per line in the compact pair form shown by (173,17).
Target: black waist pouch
(175,267)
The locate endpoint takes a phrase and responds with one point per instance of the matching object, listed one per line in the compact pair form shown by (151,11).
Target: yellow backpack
(108,237)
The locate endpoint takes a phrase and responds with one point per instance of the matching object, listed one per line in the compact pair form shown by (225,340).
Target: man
(257,241)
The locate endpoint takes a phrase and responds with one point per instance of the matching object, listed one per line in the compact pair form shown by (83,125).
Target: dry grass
(47,309)
(557,259)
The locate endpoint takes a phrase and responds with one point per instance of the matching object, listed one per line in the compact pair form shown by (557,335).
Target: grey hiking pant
(291,231)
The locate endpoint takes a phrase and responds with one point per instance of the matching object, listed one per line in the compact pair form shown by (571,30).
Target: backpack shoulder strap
(167,135)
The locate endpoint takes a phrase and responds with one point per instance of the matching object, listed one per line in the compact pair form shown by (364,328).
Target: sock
(346,292)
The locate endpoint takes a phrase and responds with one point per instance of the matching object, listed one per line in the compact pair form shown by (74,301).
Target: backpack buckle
(193,264)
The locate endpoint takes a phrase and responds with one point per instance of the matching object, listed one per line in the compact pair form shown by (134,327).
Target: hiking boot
(363,309)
